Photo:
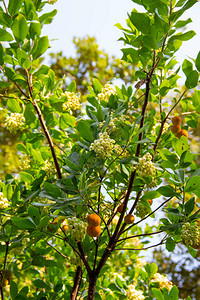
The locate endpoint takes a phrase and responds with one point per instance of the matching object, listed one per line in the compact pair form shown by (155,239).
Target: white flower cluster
(142,210)
(25,162)
(146,166)
(165,128)
(77,228)
(14,122)
(112,125)
(49,167)
(73,101)
(107,90)
(103,146)
(3,201)
(163,281)
(191,234)
(134,294)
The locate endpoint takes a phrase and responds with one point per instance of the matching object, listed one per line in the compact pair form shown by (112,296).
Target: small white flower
(14,122)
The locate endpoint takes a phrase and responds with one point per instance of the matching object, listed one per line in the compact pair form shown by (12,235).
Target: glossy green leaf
(47,17)
(5,36)
(23,223)
(157,294)
(184,36)
(197,62)
(14,106)
(20,28)
(187,67)
(34,213)
(170,244)
(182,23)
(5,19)
(14,6)
(167,191)
(23,59)
(189,206)
(193,184)
(173,295)
(52,190)
(192,79)
(85,131)
(41,47)
(141,21)
(35,29)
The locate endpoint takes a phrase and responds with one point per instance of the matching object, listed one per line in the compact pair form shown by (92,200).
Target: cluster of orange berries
(93,229)
(176,127)
(129,219)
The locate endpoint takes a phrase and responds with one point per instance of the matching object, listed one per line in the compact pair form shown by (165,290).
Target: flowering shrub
(104,161)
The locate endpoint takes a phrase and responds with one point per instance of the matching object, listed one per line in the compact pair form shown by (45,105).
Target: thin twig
(57,250)
(5,7)
(139,235)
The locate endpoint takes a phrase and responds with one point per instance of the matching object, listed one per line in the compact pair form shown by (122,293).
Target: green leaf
(14,106)
(26,177)
(34,29)
(68,120)
(72,87)
(34,213)
(23,59)
(184,36)
(71,165)
(187,67)
(170,244)
(5,19)
(5,36)
(41,284)
(20,28)
(52,190)
(151,269)
(181,145)
(141,21)
(157,294)
(173,295)
(13,289)
(197,62)
(150,195)
(23,223)
(167,191)
(192,79)
(47,17)
(189,206)
(97,86)
(130,55)
(182,23)
(193,184)
(85,131)
(14,6)
(42,46)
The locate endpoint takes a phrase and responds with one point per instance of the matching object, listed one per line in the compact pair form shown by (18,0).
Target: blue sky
(97,18)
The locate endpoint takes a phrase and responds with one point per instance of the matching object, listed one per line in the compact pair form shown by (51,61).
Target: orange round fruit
(129,219)
(94,220)
(65,227)
(175,129)
(93,231)
(182,132)
(150,201)
(176,120)
(4,282)
(120,208)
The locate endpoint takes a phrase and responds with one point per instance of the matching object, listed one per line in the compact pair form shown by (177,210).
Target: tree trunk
(92,286)
(77,282)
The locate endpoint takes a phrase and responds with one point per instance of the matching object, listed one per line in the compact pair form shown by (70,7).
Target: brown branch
(83,257)
(139,235)
(2,294)
(77,282)
(5,7)
(139,249)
